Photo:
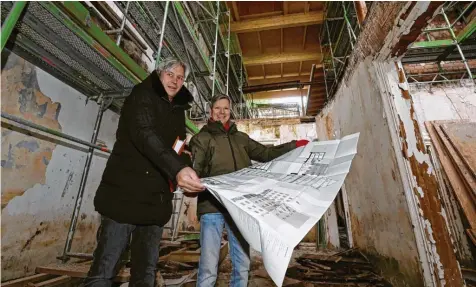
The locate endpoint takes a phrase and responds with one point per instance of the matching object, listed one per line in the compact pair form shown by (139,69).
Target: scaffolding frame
(455,42)
(134,74)
(339,33)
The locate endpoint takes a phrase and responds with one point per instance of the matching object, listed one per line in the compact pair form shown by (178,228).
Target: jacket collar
(181,100)
(218,128)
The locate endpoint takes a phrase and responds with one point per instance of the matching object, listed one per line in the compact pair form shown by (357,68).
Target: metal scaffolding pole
(192,71)
(324,67)
(217,24)
(349,27)
(332,55)
(123,24)
(162,33)
(82,185)
(11,21)
(453,36)
(228,52)
(52,132)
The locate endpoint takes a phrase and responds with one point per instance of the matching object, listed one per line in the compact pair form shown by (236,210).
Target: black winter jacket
(135,183)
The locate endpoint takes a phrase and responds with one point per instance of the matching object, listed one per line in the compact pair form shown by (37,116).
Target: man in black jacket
(134,196)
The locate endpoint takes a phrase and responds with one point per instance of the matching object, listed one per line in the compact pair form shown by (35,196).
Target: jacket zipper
(232,153)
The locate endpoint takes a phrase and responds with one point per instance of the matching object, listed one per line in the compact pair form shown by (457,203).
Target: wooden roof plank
(276,22)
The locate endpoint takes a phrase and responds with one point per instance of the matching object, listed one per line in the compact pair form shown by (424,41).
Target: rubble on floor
(179,262)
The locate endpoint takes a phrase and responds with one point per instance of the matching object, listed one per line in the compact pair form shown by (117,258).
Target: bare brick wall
(447,66)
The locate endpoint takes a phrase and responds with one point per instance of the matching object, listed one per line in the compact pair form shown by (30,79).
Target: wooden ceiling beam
(261,15)
(278,94)
(304,38)
(276,22)
(269,80)
(281,58)
(235,10)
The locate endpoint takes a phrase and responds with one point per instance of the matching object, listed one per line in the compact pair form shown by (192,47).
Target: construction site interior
(402,74)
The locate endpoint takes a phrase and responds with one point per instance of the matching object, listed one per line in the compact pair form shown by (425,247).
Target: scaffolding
(86,58)
(440,50)
(339,33)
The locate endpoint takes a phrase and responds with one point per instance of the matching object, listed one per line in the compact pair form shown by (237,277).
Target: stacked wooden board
(455,144)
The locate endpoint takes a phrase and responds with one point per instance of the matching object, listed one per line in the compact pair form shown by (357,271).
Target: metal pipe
(435,29)
(323,66)
(349,27)
(204,9)
(162,33)
(430,82)
(228,53)
(332,56)
(11,21)
(313,69)
(96,11)
(149,14)
(53,132)
(182,37)
(123,24)
(175,229)
(217,19)
(457,44)
(462,13)
(82,184)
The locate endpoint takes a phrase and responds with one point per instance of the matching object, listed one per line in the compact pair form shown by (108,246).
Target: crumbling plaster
(35,220)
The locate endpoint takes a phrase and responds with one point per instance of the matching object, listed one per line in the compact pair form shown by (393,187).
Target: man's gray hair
(218,97)
(169,63)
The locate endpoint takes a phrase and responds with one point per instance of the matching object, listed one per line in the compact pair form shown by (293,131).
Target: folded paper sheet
(275,204)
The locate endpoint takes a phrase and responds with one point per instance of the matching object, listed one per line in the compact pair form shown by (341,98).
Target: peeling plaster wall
(41,174)
(380,221)
(449,101)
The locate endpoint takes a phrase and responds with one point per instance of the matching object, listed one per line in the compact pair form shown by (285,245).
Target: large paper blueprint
(275,204)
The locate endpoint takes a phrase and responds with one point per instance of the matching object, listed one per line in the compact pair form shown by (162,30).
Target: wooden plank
(472,235)
(281,58)
(277,22)
(261,15)
(21,282)
(456,182)
(51,282)
(277,94)
(464,172)
(235,10)
(78,271)
(185,256)
(260,81)
(463,137)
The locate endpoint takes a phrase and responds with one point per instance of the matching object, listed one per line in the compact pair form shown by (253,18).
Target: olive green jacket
(217,151)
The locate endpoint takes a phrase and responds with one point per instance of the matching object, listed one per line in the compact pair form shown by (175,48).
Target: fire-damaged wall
(395,212)
(41,173)
(377,205)
(453,101)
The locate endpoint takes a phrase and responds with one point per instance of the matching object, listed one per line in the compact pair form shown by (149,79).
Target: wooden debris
(78,271)
(51,282)
(21,282)
(336,270)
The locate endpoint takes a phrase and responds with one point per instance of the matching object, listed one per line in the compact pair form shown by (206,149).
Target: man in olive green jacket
(219,148)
